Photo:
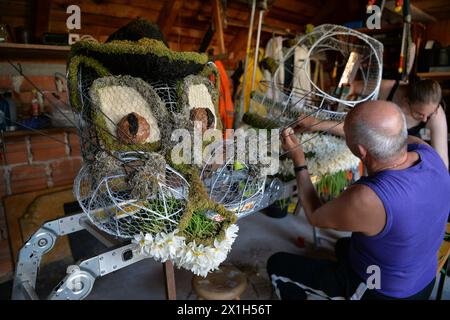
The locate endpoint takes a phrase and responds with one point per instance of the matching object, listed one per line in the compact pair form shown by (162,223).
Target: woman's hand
(290,144)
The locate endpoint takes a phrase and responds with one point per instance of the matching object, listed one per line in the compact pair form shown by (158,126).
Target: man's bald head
(379,126)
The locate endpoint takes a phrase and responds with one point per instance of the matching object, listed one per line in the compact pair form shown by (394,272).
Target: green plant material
(259,122)
(249,191)
(332,184)
(269,64)
(283,203)
(147,58)
(156,224)
(310,154)
(238,166)
(199,201)
(201,227)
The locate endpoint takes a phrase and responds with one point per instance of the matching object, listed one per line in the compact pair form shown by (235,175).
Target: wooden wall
(439,31)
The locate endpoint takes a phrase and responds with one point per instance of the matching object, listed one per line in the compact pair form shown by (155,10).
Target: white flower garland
(197,258)
(331,155)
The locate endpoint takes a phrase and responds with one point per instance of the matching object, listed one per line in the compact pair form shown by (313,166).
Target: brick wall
(32,162)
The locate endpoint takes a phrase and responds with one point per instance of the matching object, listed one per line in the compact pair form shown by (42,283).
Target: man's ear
(362,151)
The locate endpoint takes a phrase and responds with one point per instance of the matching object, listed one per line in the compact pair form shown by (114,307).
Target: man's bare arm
(357,209)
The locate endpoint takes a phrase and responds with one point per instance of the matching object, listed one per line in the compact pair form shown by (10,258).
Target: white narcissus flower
(143,243)
(173,243)
(331,155)
(159,249)
(198,258)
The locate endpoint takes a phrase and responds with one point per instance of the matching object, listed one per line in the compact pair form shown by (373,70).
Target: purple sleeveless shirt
(417,205)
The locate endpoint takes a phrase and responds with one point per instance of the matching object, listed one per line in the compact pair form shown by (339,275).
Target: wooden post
(169,280)
(218,24)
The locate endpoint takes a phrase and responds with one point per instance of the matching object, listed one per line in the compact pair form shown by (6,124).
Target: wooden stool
(227,283)
(443,258)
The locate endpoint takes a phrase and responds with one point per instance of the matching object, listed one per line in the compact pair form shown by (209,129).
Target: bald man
(397,216)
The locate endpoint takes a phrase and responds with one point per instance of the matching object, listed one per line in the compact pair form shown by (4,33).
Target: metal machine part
(81,277)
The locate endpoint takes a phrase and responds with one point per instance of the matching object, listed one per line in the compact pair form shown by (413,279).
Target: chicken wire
(239,190)
(359,57)
(109,204)
(167,92)
(108,200)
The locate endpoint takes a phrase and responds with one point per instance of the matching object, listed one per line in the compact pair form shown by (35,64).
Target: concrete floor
(259,237)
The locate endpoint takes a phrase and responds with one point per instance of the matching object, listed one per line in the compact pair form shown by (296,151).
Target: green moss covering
(199,202)
(73,67)
(149,59)
(269,64)
(259,122)
(209,69)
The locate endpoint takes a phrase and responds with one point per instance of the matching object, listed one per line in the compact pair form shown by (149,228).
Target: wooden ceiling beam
(110,9)
(168,15)
(323,15)
(218,25)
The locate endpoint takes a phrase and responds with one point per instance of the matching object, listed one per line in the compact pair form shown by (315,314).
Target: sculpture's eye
(131,118)
(128,113)
(201,106)
(198,99)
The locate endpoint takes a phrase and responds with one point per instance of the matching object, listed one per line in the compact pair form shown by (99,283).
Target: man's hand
(291,145)
(305,123)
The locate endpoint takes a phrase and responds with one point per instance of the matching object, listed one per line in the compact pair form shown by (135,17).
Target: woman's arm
(439,134)
(311,124)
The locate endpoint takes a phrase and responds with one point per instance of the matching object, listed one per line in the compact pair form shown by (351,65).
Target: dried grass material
(115,97)
(104,166)
(144,179)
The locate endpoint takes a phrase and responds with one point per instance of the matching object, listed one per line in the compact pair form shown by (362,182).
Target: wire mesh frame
(107,201)
(329,32)
(323,38)
(168,94)
(236,189)
(109,204)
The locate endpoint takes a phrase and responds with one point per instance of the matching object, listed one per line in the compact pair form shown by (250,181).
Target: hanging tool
(262,10)
(406,38)
(240,106)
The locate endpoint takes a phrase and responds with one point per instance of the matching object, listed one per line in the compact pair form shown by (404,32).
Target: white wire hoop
(110,206)
(286,103)
(235,188)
